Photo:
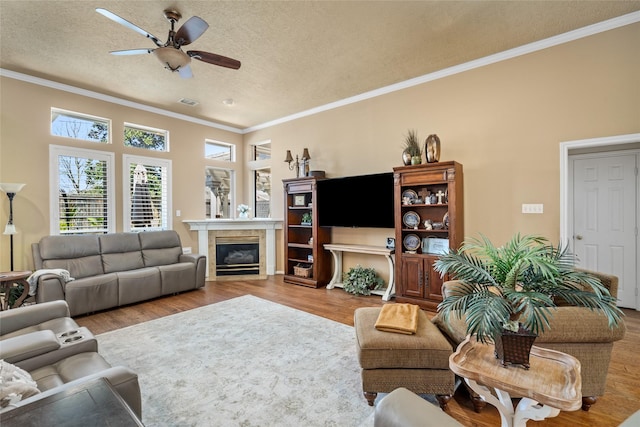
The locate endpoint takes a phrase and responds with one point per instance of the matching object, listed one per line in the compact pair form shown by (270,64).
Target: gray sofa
(112,270)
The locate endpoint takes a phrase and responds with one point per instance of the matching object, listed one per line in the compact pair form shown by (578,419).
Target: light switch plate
(532,208)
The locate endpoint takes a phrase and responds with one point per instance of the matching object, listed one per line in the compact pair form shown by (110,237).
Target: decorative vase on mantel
(513,348)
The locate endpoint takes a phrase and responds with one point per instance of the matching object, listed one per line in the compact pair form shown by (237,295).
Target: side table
(551,384)
(10,279)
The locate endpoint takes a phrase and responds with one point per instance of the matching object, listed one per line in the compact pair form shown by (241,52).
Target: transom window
(81,191)
(145,137)
(69,124)
(220,151)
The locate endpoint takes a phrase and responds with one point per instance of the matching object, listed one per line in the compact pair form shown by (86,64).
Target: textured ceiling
(295,55)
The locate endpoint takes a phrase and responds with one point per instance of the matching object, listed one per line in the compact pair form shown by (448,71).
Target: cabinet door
(412,278)
(433,289)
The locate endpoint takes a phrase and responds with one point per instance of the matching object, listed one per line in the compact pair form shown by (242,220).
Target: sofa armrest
(27,346)
(50,288)
(201,266)
(23,317)
(580,325)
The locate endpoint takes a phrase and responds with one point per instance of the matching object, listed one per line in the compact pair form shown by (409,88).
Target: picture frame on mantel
(299,200)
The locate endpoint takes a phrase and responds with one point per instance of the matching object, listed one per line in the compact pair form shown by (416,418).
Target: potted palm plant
(512,290)
(412,153)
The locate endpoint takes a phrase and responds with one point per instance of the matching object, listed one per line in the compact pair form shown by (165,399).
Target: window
(221,151)
(262,194)
(80,126)
(262,151)
(219,191)
(81,191)
(147,190)
(146,137)
(260,167)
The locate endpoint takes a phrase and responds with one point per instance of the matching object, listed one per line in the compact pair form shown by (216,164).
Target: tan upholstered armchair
(577,331)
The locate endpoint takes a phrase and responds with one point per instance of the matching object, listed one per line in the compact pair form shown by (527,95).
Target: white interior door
(604,217)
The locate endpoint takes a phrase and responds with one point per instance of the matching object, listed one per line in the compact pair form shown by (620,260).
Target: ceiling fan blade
(131,51)
(128,24)
(191,30)
(212,58)
(185,72)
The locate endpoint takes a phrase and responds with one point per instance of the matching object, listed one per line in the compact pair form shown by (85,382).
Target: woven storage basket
(301,271)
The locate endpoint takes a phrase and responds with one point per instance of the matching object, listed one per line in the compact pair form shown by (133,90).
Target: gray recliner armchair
(44,341)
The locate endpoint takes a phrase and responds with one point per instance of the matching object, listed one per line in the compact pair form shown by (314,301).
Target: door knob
(579,236)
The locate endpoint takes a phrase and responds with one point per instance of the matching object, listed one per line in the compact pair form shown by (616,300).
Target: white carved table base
(527,409)
(337,251)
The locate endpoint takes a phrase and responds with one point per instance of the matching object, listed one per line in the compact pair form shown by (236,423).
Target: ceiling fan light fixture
(173,59)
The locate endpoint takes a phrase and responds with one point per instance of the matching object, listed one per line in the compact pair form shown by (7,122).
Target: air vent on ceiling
(189,102)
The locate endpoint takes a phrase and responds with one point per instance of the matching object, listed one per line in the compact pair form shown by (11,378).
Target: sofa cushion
(138,285)
(121,252)
(79,255)
(177,277)
(92,294)
(69,369)
(160,247)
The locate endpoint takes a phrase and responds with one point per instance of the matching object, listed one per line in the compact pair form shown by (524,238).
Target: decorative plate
(411,242)
(411,195)
(411,219)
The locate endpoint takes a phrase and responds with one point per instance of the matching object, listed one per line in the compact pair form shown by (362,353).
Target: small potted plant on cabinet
(306,218)
(512,290)
(412,154)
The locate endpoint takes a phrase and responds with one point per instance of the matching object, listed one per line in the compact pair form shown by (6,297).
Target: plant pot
(513,348)
(416,160)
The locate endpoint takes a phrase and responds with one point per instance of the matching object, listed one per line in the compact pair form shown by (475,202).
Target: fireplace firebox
(237,256)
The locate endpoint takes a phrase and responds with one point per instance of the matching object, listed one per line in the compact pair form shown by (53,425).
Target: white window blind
(147,200)
(81,191)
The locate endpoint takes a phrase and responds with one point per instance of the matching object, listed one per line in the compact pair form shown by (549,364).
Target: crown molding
(112,99)
(590,30)
(621,21)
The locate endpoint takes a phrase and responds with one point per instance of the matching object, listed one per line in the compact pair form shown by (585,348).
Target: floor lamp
(11,190)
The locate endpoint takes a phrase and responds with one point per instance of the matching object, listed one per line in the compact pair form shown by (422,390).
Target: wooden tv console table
(337,250)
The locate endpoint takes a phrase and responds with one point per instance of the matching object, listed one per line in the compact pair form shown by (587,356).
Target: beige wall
(504,122)
(24,157)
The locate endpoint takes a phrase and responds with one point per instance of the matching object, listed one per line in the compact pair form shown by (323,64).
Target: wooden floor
(622,397)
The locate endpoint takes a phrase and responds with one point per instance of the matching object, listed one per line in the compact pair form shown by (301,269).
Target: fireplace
(237,256)
(263,228)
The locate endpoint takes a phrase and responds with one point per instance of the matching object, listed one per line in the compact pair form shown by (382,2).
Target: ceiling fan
(170,53)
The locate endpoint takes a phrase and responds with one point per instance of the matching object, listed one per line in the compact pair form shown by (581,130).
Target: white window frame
(55,151)
(232,150)
(88,117)
(127,160)
(252,167)
(147,129)
(232,190)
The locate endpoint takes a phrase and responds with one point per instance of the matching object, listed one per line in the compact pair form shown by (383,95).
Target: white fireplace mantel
(203,226)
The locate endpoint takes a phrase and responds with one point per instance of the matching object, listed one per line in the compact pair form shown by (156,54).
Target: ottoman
(418,362)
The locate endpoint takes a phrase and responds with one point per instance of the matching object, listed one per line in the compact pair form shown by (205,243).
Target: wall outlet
(186,250)
(536,208)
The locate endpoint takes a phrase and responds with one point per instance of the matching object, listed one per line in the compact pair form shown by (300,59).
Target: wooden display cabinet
(432,192)
(307,263)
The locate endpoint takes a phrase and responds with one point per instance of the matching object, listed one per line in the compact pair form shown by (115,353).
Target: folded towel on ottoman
(399,318)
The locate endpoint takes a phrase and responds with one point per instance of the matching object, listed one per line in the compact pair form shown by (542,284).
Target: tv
(356,201)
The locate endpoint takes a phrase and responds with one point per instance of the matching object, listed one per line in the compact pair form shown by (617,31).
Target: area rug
(243,362)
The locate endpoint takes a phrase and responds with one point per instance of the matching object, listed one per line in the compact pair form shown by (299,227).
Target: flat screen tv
(356,201)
